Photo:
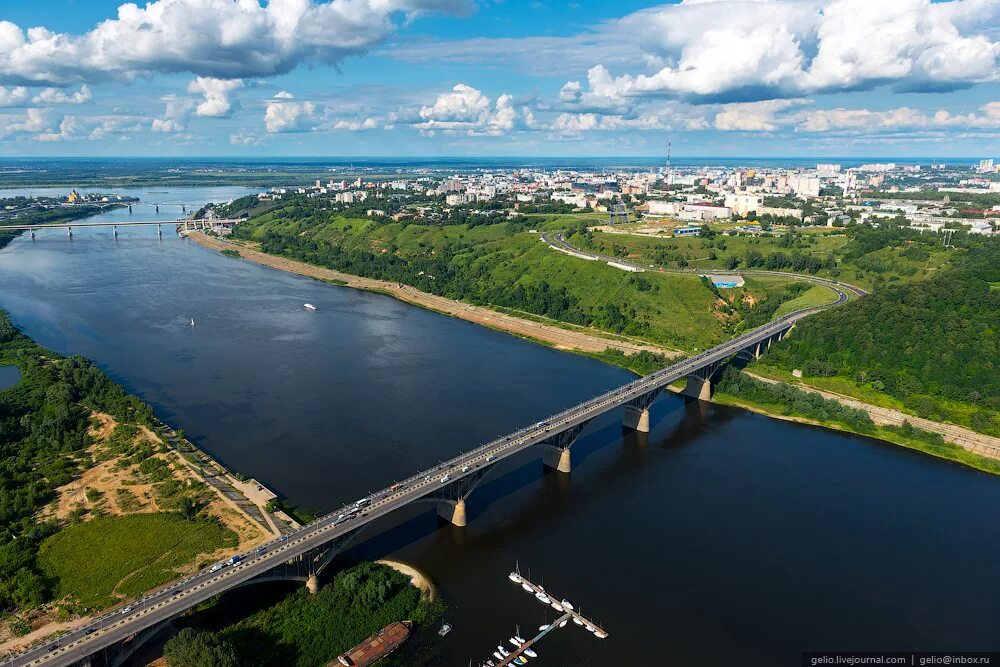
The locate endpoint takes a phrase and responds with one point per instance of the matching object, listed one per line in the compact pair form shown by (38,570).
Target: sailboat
(192,321)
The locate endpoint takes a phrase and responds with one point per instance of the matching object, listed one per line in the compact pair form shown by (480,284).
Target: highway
(182,594)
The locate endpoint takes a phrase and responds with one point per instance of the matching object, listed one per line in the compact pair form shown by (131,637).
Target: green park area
(136,553)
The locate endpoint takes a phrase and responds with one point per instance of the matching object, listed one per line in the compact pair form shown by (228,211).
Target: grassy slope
(679,309)
(817,295)
(90,559)
(697,252)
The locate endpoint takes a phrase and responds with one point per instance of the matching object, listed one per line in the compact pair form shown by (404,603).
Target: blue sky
(500,77)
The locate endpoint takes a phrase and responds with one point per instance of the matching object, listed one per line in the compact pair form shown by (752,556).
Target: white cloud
(245,138)
(175,116)
(283,95)
(13,97)
(754,116)
(744,50)
(213,38)
(57,96)
(35,121)
(467,110)
(355,126)
(286,116)
(217,95)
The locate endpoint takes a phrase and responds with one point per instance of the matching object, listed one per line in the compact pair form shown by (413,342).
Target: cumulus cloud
(175,116)
(57,96)
(221,39)
(745,50)
(754,116)
(282,115)
(13,97)
(666,117)
(217,93)
(465,109)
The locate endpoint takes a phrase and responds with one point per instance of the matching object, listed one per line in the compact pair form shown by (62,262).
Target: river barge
(376,647)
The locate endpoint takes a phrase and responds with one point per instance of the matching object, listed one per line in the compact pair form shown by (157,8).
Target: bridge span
(306,552)
(186,224)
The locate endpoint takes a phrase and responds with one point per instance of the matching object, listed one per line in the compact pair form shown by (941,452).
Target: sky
(466,78)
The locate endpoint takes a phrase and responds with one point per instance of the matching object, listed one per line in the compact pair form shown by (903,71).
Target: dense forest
(44,421)
(930,343)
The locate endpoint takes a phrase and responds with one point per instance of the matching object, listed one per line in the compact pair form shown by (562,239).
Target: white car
(445,479)
(466,468)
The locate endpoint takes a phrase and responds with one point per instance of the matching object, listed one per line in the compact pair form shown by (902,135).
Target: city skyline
(441,78)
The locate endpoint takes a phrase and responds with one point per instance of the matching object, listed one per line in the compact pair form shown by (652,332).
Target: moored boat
(377,646)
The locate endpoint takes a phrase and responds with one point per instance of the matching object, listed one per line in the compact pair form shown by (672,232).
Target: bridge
(184,224)
(304,553)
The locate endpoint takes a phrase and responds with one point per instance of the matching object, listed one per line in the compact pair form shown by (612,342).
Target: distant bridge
(183,225)
(306,552)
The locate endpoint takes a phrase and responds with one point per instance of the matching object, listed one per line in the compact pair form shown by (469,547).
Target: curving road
(556,241)
(182,594)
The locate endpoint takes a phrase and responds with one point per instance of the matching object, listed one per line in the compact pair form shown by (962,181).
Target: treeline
(470,280)
(44,421)
(305,630)
(792,401)
(926,343)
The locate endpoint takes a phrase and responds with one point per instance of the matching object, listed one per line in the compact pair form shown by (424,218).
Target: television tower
(669,180)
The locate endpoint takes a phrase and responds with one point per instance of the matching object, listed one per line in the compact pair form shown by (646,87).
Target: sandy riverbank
(417,578)
(564,339)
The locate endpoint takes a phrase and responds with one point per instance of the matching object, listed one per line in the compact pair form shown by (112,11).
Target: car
(283,538)
(260,550)
(466,468)
(445,479)
(427,478)
(217,567)
(490,457)
(363,502)
(126,611)
(236,560)
(396,487)
(90,631)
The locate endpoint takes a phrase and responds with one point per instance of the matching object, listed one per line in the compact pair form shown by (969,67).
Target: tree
(196,648)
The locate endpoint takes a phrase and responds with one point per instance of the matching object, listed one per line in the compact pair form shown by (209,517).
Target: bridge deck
(185,593)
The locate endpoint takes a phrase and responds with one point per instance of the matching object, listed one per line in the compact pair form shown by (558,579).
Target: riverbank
(570,339)
(931,438)
(417,578)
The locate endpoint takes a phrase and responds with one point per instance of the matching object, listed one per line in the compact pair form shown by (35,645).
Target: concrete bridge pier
(557,458)
(312,584)
(453,511)
(699,388)
(636,418)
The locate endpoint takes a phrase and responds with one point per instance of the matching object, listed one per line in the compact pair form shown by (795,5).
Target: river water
(721,538)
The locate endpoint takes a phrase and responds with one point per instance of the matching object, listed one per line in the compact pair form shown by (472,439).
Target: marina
(523,648)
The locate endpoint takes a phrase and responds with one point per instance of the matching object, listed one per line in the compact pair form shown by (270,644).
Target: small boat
(590,627)
(601,634)
(542,597)
(563,624)
(520,661)
(309,306)
(543,628)
(531,654)
(192,321)
(504,652)
(514,642)
(576,619)
(445,629)
(557,606)
(518,639)
(526,587)
(567,605)
(496,654)
(515,577)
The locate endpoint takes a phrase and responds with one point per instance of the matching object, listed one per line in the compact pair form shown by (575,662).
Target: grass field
(125,555)
(817,295)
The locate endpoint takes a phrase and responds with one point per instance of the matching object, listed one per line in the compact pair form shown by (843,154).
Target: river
(722,537)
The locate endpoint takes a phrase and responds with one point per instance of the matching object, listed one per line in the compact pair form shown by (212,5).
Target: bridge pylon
(556,448)
(636,416)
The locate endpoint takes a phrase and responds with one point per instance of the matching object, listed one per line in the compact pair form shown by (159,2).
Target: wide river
(721,538)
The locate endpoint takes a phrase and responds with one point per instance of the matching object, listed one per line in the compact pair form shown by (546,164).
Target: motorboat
(309,306)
